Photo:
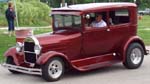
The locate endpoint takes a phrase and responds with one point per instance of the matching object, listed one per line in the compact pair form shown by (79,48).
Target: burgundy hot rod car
(75,44)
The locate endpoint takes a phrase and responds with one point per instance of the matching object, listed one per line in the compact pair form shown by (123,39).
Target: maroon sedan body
(74,43)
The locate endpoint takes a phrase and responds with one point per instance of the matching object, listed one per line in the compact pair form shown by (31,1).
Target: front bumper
(32,71)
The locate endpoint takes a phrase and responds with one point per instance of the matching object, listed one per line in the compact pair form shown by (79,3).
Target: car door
(119,27)
(96,41)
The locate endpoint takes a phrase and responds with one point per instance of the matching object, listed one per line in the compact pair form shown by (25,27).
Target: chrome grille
(29,53)
(29,46)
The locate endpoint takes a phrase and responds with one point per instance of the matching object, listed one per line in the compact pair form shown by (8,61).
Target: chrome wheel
(136,56)
(55,69)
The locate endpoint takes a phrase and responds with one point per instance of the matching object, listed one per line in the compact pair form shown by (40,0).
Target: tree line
(56,3)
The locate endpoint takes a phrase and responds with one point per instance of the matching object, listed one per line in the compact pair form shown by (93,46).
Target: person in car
(99,22)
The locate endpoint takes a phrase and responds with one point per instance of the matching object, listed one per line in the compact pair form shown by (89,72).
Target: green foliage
(33,12)
(144,4)
(30,13)
(3,21)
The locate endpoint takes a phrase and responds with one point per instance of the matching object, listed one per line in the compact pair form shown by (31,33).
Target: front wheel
(134,56)
(53,69)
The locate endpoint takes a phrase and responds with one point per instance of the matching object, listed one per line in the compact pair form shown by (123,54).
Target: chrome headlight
(37,49)
(19,46)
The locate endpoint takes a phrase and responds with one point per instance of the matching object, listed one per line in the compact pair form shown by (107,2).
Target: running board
(32,71)
(95,62)
(98,65)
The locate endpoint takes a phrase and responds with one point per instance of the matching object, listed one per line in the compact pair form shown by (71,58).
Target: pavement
(115,74)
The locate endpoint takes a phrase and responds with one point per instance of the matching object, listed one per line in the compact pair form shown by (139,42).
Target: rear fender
(128,42)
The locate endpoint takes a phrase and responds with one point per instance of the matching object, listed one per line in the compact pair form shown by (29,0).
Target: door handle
(108,30)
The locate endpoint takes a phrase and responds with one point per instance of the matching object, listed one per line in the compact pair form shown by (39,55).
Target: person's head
(10,5)
(99,18)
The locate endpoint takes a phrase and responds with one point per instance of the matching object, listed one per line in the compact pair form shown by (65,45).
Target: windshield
(67,21)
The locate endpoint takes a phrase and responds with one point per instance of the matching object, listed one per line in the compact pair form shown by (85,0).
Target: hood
(57,37)
(56,40)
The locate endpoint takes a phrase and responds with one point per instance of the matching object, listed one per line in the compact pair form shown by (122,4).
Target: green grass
(7,42)
(144,22)
(144,29)
(145,35)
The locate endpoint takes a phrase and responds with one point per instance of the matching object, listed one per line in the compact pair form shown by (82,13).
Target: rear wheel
(53,69)
(134,56)
(10,60)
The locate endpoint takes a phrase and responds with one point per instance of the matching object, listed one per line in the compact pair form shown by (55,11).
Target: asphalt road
(115,74)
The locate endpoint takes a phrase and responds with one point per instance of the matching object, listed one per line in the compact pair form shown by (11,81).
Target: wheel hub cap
(136,56)
(55,69)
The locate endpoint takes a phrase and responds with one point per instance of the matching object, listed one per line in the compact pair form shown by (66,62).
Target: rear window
(122,13)
(120,16)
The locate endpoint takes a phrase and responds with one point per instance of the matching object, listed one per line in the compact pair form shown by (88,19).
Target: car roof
(90,6)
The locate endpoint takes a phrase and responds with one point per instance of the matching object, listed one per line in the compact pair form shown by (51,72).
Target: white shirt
(102,23)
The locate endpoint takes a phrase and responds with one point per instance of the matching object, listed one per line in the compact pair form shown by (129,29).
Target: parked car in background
(75,44)
(144,12)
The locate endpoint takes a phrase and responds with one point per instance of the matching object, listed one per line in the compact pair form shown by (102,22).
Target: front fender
(11,52)
(128,42)
(46,56)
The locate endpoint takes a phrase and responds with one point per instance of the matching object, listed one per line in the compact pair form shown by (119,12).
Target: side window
(96,20)
(77,21)
(67,20)
(119,17)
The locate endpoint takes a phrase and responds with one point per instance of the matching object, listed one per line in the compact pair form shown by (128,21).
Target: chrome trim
(29,52)
(32,71)
(36,42)
(34,39)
